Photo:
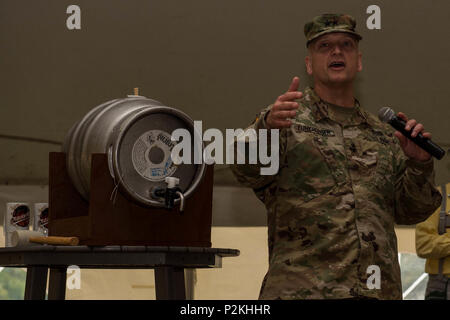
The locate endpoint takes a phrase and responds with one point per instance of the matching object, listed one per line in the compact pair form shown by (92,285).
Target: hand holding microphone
(415,142)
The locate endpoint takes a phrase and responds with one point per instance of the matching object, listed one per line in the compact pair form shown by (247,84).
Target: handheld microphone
(388,115)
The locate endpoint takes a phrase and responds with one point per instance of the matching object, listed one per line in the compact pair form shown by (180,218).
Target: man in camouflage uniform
(343,181)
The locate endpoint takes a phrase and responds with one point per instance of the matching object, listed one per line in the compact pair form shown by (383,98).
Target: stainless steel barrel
(135,133)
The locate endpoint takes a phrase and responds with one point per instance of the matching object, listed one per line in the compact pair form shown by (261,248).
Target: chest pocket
(305,173)
(374,157)
(333,153)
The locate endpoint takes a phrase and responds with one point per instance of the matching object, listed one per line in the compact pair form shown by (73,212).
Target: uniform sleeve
(429,244)
(248,174)
(416,196)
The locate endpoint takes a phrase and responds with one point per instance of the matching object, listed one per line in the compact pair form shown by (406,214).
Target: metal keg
(135,133)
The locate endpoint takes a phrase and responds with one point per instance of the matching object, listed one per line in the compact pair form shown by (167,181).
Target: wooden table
(168,262)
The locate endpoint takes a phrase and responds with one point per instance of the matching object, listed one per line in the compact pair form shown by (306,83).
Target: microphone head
(385,114)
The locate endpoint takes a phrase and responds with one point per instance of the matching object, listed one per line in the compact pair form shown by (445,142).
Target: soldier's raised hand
(284,107)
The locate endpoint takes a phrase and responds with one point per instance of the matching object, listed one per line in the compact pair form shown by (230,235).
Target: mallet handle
(64,241)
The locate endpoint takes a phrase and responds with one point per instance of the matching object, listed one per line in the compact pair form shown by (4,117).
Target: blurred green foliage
(12,284)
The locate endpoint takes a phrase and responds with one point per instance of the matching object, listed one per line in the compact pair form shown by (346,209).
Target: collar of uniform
(319,107)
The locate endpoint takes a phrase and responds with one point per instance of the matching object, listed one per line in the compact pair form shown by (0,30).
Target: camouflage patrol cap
(330,22)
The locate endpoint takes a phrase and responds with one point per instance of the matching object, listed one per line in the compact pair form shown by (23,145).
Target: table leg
(169,283)
(191,278)
(57,284)
(36,283)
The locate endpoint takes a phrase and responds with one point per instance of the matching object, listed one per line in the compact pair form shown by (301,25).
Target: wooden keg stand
(107,221)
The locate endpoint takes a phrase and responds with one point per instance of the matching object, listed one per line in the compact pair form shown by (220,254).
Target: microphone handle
(425,143)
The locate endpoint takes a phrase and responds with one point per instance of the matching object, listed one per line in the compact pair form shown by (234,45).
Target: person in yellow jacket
(433,243)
